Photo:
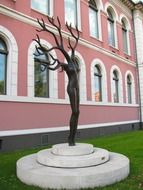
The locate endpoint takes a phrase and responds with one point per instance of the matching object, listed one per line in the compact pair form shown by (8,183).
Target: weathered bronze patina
(71,67)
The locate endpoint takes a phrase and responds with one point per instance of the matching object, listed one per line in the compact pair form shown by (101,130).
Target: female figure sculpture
(71,68)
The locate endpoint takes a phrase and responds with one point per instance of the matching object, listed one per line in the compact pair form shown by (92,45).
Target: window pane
(42,6)
(41,80)
(115,87)
(71,12)
(41,75)
(93,21)
(111,33)
(2,73)
(97,84)
(129,89)
(2,46)
(125,41)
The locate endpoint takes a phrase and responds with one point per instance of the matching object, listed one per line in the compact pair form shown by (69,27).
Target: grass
(129,144)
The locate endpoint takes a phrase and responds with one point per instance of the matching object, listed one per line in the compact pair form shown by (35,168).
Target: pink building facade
(109,77)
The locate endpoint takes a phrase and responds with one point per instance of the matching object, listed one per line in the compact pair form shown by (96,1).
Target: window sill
(127,56)
(113,49)
(40,12)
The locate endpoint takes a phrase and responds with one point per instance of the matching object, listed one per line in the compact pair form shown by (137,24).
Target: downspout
(137,66)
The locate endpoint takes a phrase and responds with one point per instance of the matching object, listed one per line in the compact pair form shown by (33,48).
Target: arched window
(115,86)
(111,34)
(3,67)
(41,76)
(129,89)
(98,83)
(93,19)
(124,33)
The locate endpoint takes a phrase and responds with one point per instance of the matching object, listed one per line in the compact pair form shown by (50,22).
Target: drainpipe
(138,80)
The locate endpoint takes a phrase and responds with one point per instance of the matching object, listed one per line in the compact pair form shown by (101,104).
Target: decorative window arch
(53,84)
(82,78)
(112,17)
(12,61)
(125,33)
(99,64)
(130,88)
(116,79)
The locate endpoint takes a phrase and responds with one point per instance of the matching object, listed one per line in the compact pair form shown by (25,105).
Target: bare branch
(44,28)
(41,50)
(56,60)
(58,27)
(76,37)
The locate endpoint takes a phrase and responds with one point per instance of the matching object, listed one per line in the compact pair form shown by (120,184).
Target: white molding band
(64,128)
(33,22)
(23,99)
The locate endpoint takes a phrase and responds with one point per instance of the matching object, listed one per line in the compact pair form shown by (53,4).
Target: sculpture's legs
(73,128)
(74,101)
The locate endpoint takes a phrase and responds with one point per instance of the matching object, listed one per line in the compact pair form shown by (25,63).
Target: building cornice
(132,5)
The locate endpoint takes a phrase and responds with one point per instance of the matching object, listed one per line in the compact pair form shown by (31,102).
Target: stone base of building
(22,141)
(72,167)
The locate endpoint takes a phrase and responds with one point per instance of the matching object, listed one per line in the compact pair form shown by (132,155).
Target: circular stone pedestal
(32,171)
(77,160)
(78,150)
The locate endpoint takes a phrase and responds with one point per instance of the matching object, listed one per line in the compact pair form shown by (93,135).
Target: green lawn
(129,144)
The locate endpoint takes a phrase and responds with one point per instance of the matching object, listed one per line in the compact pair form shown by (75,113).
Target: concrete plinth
(78,150)
(31,172)
(47,158)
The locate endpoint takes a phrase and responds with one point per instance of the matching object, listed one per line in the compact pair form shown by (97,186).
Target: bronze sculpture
(71,67)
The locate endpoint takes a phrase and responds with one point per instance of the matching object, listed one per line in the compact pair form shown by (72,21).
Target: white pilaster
(138,24)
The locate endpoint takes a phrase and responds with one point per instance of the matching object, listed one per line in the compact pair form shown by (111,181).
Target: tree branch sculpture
(71,67)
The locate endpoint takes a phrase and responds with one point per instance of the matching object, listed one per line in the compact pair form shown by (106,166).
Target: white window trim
(122,16)
(83,90)
(99,25)
(53,90)
(12,61)
(114,67)
(104,80)
(132,87)
(51,8)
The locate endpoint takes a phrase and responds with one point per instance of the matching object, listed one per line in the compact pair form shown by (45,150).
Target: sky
(136,1)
